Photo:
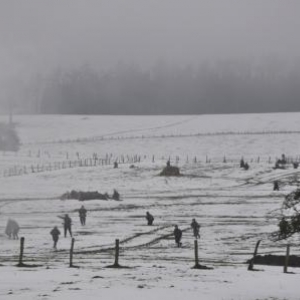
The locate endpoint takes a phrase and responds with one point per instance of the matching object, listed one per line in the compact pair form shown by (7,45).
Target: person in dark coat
(283,159)
(67,224)
(242,163)
(116,195)
(196,227)
(276,186)
(246,166)
(149,218)
(178,236)
(82,215)
(55,235)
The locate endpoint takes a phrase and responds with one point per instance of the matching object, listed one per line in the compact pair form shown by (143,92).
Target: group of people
(67,223)
(12,227)
(177,231)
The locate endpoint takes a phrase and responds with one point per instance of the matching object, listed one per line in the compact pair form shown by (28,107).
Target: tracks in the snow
(138,240)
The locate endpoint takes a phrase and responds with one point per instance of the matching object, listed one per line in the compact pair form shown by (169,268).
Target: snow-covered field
(235,207)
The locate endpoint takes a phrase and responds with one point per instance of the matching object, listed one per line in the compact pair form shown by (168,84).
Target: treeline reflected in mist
(267,85)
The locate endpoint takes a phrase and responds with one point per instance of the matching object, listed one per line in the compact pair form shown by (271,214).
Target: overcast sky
(36,33)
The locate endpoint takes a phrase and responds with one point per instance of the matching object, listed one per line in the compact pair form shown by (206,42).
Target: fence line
(116,250)
(67,164)
(109,159)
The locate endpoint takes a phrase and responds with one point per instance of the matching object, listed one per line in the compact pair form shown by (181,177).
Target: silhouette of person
(178,236)
(55,236)
(82,215)
(149,218)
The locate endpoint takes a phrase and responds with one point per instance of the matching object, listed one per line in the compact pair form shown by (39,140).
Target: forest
(247,86)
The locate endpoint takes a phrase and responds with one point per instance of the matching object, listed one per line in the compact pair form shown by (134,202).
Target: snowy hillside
(235,207)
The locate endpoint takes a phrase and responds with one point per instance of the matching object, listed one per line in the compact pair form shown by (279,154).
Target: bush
(170,171)
(9,140)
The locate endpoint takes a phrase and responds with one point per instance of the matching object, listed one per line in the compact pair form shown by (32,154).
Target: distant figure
(67,224)
(280,163)
(149,218)
(116,195)
(55,235)
(12,229)
(196,227)
(276,185)
(168,163)
(242,163)
(82,215)
(246,166)
(116,165)
(178,236)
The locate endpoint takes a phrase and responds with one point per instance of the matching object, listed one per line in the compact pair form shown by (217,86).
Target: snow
(234,207)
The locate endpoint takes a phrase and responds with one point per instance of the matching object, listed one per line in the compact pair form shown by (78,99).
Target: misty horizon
(40,38)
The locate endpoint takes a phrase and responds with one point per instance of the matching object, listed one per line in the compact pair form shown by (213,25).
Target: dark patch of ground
(277,260)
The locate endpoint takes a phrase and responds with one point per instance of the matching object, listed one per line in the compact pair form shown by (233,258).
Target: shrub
(9,140)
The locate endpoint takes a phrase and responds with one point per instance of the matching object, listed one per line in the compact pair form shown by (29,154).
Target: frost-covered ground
(235,207)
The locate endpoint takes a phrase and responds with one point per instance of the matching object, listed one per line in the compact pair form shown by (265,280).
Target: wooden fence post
(71,252)
(251,263)
(116,263)
(286,262)
(196,254)
(117,249)
(22,240)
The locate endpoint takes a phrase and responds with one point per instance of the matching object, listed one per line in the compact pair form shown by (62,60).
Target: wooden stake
(286,262)
(196,253)
(71,252)
(251,263)
(117,253)
(22,240)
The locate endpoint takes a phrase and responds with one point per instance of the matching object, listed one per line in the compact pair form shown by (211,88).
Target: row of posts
(117,251)
(71,265)
(94,161)
(16,171)
(286,261)
(88,162)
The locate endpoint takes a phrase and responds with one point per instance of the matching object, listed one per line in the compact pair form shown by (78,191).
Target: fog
(40,38)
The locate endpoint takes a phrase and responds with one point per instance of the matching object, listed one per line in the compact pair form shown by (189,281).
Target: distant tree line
(267,85)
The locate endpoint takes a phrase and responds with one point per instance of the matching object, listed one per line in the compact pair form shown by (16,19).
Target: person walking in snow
(82,215)
(149,218)
(67,224)
(116,195)
(276,185)
(55,236)
(196,227)
(177,236)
